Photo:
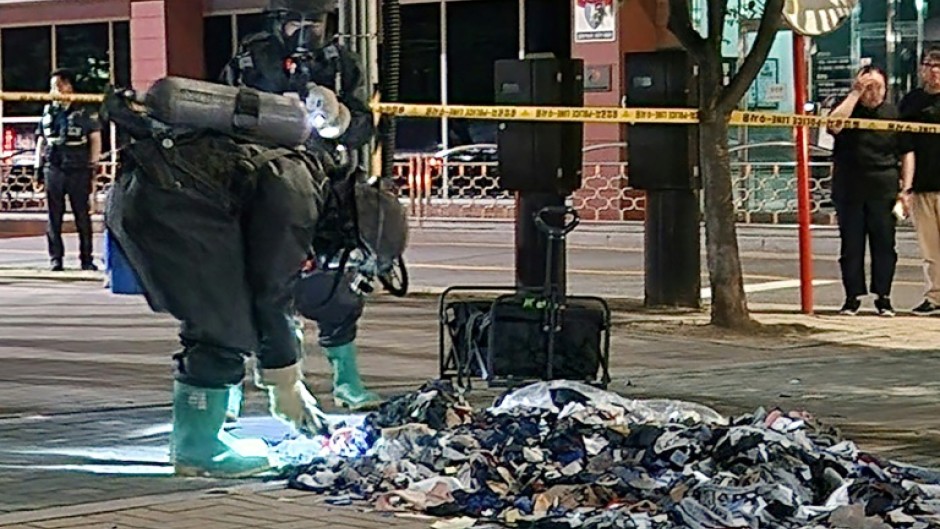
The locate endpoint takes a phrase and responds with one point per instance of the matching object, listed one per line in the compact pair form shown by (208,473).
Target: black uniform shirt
(66,129)
(921,107)
(866,161)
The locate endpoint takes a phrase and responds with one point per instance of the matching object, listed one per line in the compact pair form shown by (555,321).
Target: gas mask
(305,32)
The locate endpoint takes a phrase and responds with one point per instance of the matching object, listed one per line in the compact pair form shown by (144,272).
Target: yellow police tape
(41,97)
(676,116)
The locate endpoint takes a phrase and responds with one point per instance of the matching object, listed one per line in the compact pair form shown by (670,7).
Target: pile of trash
(569,455)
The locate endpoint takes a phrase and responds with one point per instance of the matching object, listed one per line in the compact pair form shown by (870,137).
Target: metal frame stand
(551,298)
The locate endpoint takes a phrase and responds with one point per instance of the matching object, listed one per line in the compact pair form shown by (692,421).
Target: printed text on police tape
(648,115)
(685,116)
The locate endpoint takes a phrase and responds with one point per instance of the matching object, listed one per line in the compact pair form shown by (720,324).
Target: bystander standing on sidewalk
(920,186)
(864,190)
(67,152)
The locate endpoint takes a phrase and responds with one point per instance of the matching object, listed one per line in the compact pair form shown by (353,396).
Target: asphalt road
(602,260)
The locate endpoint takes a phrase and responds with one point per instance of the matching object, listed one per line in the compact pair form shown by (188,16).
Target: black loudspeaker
(540,156)
(661,156)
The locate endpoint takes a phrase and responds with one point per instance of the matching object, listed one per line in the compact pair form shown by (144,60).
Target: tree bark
(729,303)
(716,103)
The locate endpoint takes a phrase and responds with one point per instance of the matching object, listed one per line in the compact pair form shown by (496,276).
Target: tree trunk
(729,304)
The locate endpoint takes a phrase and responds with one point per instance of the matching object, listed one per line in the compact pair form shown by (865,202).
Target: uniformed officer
(297,56)
(67,153)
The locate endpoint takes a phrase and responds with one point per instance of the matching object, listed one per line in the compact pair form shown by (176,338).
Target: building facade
(448,50)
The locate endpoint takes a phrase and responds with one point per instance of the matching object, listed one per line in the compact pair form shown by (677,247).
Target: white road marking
(772,285)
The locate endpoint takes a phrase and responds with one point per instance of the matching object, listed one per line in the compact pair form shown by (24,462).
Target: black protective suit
(265,62)
(217,228)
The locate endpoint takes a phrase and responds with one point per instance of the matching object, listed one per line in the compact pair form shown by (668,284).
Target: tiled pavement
(84,397)
(269,507)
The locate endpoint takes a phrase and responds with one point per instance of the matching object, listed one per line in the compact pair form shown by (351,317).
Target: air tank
(245,112)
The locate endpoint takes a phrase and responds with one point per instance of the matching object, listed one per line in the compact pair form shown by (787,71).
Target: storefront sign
(776,93)
(832,76)
(833,69)
(595,21)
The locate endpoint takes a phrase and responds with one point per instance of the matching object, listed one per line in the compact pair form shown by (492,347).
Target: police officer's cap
(304,7)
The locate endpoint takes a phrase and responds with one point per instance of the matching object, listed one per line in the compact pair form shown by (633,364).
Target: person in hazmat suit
(298,56)
(216,208)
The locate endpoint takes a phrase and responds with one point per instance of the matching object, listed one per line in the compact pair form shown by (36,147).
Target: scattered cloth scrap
(564,454)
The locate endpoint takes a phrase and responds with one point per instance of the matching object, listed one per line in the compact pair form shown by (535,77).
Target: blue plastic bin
(121,277)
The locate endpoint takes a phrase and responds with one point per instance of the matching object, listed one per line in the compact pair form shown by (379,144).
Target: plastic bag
(539,396)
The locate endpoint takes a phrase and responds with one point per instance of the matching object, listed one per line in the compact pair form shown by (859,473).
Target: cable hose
(391,48)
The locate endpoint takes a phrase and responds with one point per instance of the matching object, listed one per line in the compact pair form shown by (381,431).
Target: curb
(781,238)
(47,275)
(78,276)
(753,308)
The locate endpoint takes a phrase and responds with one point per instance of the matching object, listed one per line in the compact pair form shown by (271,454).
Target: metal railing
(20,191)
(448,184)
(765,191)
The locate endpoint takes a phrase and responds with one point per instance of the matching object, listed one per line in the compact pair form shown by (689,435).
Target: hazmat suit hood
(302,24)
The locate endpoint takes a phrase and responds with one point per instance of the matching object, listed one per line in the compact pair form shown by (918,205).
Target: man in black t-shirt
(865,190)
(920,185)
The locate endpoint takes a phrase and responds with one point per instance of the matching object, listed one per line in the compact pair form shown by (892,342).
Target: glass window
(479,33)
(26,58)
(419,75)
(251,23)
(83,48)
(122,54)
(217,44)
(873,11)
(905,10)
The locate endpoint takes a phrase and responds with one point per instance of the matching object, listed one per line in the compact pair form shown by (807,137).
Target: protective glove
(337,127)
(328,116)
(289,399)
(322,104)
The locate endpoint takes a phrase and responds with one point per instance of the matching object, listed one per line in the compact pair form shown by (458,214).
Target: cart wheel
(395,280)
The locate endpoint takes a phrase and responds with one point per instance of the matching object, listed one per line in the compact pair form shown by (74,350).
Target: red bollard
(802,175)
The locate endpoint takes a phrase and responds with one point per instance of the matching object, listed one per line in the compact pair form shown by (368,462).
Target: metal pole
(921,6)
(342,27)
(521,29)
(53,47)
(802,175)
(742,52)
(445,143)
(233,24)
(855,51)
(372,25)
(1,88)
(890,46)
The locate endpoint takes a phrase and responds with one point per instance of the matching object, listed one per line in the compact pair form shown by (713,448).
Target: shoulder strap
(267,156)
(255,38)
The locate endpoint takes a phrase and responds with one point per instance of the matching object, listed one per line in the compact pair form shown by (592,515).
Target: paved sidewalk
(84,397)
(268,506)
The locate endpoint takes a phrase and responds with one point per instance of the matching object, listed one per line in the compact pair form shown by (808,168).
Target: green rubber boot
(348,390)
(200,447)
